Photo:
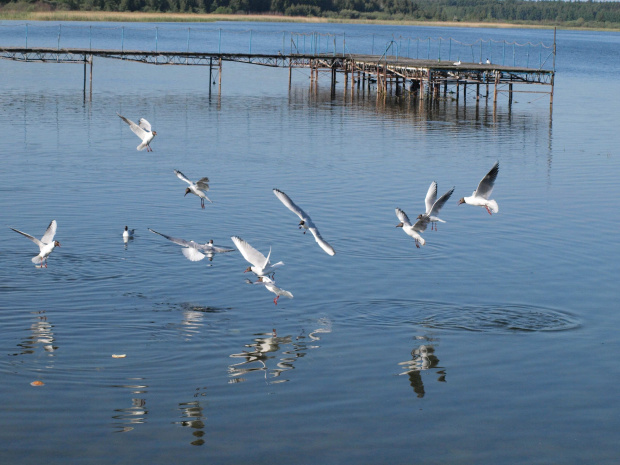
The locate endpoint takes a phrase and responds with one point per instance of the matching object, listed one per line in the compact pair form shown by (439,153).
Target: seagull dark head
(211,242)
(187,191)
(249,268)
(462,200)
(400,225)
(154,133)
(126,228)
(56,244)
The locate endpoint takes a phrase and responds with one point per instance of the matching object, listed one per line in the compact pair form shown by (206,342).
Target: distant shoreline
(110,16)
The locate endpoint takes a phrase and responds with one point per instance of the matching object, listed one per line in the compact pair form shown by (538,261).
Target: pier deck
(426,77)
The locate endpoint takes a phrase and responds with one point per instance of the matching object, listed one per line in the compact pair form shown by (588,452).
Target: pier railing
(209,39)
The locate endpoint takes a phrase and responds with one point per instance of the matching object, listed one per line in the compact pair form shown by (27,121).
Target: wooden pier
(428,79)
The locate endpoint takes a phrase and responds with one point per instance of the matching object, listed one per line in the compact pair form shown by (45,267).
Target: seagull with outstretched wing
(143,131)
(195,251)
(433,205)
(480,197)
(46,244)
(306,222)
(198,188)
(260,265)
(412,230)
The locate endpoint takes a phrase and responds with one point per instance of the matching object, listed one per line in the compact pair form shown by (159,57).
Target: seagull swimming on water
(261,266)
(480,197)
(46,244)
(306,222)
(197,188)
(193,250)
(128,234)
(433,205)
(411,230)
(271,286)
(143,131)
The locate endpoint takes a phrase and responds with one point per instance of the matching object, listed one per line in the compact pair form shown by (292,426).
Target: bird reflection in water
(192,416)
(269,348)
(41,335)
(423,358)
(127,418)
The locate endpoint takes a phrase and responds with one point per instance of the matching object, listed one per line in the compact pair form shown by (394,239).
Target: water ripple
(498,317)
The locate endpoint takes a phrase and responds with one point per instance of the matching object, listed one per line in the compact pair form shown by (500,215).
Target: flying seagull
(480,197)
(143,131)
(433,205)
(306,222)
(261,266)
(271,286)
(193,250)
(411,230)
(46,244)
(197,188)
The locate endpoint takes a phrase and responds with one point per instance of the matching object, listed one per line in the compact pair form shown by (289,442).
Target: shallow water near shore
(496,342)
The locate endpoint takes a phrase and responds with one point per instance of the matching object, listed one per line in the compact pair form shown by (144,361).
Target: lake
(496,342)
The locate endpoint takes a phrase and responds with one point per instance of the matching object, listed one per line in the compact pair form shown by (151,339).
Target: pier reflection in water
(126,418)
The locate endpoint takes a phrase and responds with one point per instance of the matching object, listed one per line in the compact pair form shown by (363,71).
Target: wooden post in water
(290,72)
(510,94)
(477,92)
(91,79)
(210,73)
(497,74)
(219,88)
(85,61)
(553,75)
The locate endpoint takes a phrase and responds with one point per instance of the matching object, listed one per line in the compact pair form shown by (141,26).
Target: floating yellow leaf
(37,383)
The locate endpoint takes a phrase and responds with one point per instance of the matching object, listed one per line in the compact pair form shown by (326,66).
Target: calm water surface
(495,343)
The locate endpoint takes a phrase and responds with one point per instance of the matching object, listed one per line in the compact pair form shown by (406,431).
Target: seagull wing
(144,124)
(137,130)
(33,239)
(322,242)
(292,206)
(486,185)
(431,197)
(203,184)
(181,242)
(440,203)
(420,225)
(192,254)
(402,216)
(182,177)
(50,232)
(252,255)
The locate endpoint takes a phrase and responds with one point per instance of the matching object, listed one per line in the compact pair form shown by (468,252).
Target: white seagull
(46,244)
(261,266)
(271,286)
(480,197)
(306,222)
(143,131)
(411,230)
(193,250)
(488,62)
(128,234)
(197,188)
(433,205)
(457,63)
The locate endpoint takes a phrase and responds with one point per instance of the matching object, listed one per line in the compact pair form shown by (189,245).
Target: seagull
(306,222)
(198,188)
(261,266)
(457,63)
(271,286)
(143,131)
(46,244)
(193,250)
(433,205)
(488,61)
(481,195)
(410,230)
(128,234)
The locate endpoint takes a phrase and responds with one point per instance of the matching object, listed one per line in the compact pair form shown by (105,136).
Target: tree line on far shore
(575,13)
